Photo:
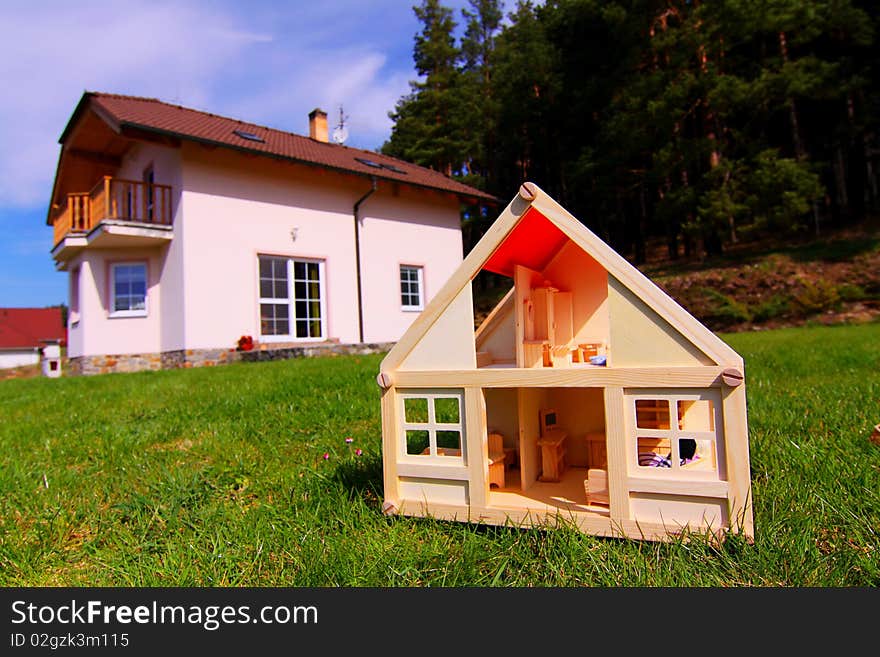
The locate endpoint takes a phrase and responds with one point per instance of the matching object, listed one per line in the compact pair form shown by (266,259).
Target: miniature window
(677,433)
(411,286)
(291,299)
(128,281)
(652,413)
(432,424)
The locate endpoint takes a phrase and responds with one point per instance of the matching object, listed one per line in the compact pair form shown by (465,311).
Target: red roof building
(23,328)
(25,331)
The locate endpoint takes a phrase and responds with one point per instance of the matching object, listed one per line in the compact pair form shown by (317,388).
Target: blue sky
(266,62)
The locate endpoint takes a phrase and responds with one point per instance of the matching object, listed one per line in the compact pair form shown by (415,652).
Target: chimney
(318,125)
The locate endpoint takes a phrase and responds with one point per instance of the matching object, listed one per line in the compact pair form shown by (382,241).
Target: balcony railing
(115,198)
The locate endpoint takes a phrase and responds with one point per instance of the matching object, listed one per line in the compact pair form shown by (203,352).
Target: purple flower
(349,440)
(326,456)
(358,451)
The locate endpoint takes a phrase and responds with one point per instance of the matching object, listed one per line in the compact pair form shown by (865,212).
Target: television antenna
(340,132)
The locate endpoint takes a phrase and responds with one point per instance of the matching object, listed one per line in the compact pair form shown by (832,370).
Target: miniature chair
(596,486)
(497,458)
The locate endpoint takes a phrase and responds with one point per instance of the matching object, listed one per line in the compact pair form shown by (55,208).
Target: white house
(25,333)
(183,231)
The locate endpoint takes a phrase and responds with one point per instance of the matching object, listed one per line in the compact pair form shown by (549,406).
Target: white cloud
(50,55)
(264,62)
(356,79)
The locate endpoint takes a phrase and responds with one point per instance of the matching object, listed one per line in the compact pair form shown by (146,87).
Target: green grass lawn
(216,477)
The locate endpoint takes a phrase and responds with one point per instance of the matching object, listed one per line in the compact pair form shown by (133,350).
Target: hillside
(773,284)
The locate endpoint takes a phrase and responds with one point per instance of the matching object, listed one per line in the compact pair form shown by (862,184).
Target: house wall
(228,208)
(167,169)
(404,227)
(92,332)
(502,415)
(580,411)
(75,323)
(96,332)
(18,358)
(237,207)
(574,270)
(531,401)
(639,337)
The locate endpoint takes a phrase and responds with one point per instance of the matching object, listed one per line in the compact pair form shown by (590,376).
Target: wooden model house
(588,395)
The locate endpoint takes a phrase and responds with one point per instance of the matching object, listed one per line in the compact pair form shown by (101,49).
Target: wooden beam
(390,423)
(615,447)
(476,448)
(573,377)
(95,157)
(141,134)
(736,453)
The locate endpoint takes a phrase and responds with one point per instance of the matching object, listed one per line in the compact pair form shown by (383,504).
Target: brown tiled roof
(156,116)
(30,327)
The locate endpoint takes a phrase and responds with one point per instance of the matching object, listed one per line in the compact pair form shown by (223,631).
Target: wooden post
(108,201)
(736,452)
(615,441)
(390,438)
(477,448)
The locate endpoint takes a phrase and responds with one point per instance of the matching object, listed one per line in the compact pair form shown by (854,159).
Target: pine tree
(429,122)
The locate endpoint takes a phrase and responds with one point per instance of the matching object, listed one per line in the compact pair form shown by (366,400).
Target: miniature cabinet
(548,328)
(553,454)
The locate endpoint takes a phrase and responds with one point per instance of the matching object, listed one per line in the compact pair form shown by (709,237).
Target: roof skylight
(369,163)
(250,136)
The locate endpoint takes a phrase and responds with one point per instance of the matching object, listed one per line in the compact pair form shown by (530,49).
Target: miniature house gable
(584,333)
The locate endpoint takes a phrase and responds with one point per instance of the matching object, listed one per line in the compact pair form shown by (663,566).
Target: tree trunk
(800,152)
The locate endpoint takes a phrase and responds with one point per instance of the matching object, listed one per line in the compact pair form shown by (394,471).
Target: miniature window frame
(673,397)
(431,426)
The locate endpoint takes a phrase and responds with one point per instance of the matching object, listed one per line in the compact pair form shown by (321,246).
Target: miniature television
(549,420)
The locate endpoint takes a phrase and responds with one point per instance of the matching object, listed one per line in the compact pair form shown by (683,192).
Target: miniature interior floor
(567,495)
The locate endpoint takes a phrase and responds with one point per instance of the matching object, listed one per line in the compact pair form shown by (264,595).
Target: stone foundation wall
(114,363)
(311,351)
(186,358)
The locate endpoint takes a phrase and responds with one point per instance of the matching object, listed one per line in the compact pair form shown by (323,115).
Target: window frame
(138,312)
(73,314)
(420,274)
(431,426)
(676,471)
(291,299)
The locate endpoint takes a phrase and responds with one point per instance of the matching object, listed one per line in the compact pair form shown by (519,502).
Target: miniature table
(553,454)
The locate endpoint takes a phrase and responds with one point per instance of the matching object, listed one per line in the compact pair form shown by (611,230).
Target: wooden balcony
(117,213)
(114,199)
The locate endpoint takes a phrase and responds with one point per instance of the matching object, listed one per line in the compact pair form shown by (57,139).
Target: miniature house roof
(530,232)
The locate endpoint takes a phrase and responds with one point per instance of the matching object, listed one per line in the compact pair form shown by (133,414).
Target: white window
(411,287)
(432,423)
(291,299)
(128,282)
(73,314)
(676,434)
